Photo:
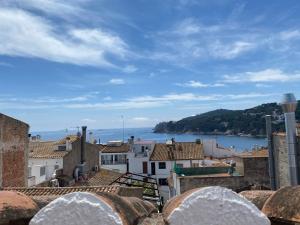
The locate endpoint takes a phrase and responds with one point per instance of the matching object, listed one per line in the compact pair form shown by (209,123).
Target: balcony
(113,162)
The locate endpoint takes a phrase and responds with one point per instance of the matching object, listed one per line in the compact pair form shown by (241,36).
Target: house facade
(50,159)
(165,157)
(114,156)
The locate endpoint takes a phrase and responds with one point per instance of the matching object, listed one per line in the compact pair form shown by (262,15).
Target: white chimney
(91,137)
(289,105)
(68,144)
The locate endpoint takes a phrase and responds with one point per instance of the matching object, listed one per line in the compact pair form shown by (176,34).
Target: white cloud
(130,69)
(23,34)
(141,102)
(268,75)
(288,35)
(263,85)
(117,81)
(230,51)
(88,120)
(198,84)
(107,98)
(140,119)
(6,64)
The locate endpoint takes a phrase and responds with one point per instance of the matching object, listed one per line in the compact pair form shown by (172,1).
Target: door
(145,167)
(153,168)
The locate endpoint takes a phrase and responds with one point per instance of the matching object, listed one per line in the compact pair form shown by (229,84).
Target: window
(42,171)
(162,165)
(162,181)
(107,159)
(143,148)
(120,159)
(56,167)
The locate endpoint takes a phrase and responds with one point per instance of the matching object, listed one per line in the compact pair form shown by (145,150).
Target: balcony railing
(111,162)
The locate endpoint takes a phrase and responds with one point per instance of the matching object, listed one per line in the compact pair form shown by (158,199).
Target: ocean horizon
(105,135)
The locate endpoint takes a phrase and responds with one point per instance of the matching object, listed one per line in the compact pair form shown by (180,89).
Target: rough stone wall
(13,152)
(256,171)
(72,159)
(281,160)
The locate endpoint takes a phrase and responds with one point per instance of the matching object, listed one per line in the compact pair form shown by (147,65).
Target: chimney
(92,140)
(83,140)
(271,152)
(68,144)
(289,105)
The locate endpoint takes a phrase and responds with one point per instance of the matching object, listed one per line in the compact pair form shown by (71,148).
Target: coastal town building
(241,172)
(114,156)
(13,152)
(165,157)
(213,149)
(66,160)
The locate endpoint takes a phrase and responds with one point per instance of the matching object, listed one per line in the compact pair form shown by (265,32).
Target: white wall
(211,149)
(49,164)
(136,163)
(122,168)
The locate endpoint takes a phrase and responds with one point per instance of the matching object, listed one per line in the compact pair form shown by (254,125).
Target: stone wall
(281,159)
(73,158)
(253,170)
(13,152)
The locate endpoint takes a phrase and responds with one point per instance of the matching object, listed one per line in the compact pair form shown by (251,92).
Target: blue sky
(73,62)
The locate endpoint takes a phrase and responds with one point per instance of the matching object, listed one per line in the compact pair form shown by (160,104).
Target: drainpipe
(271,153)
(289,105)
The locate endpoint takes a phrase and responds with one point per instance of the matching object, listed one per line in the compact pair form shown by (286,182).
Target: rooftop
(103,177)
(255,153)
(58,191)
(49,149)
(178,151)
(45,149)
(124,148)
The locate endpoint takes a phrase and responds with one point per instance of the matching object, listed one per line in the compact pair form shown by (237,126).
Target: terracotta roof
(58,191)
(284,204)
(182,151)
(72,138)
(16,206)
(103,177)
(45,149)
(255,153)
(124,148)
(258,198)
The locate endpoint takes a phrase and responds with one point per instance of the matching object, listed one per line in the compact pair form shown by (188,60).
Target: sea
(105,135)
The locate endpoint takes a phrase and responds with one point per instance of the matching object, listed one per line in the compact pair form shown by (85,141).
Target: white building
(49,159)
(212,149)
(44,160)
(165,157)
(114,155)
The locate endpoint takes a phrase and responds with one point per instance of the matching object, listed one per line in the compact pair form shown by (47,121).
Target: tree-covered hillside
(222,121)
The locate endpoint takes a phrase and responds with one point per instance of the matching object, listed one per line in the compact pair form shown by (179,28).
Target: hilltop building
(13,152)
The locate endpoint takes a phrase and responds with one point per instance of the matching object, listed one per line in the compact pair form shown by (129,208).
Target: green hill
(222,121)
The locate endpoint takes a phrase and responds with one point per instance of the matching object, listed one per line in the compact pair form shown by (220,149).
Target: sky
(69,63)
